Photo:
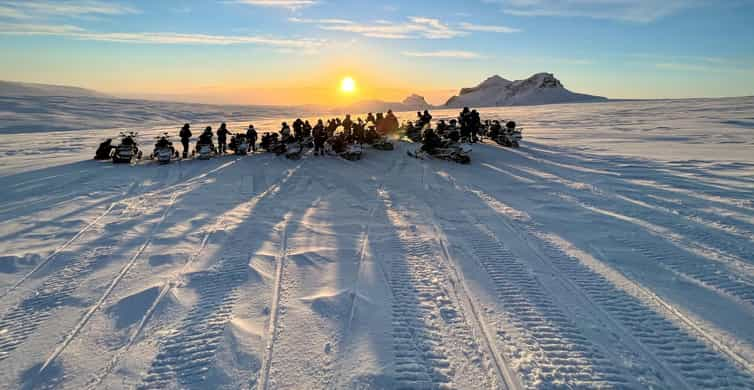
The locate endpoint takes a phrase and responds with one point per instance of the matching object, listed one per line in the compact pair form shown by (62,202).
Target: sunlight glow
(348,85)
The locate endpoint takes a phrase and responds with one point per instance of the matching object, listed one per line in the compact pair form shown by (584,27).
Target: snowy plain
(615,249)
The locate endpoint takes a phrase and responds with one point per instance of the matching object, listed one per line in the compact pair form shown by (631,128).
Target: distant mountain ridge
(16,89)
(541,88)
(411,103)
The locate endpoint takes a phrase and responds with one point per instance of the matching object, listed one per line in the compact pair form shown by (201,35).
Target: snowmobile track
(700,271)
(169,285)
(424,316)
(671,344)
(21,321)
(564,355)
(68,243)
(264,377)
(127,267)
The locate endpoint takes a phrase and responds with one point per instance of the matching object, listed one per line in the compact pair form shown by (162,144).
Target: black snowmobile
(128,149)
(444,149)
(414,133)
(239,144)
(164,151)
(510,136)
(338,145)
(373,138)
(271,143)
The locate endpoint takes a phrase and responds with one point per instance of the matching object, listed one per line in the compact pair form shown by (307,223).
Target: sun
(348,85)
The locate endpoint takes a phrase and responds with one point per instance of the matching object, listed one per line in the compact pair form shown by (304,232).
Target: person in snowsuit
(464,119)
(185,135)
(104,150)
(307,130)
(371,119)
(298,129)
(251,136)
(475,124)
(426,118)
(358,131)
(431,141)
(442,127)
(495,129)
(348,127)
(222,136)
(285,134)
(320,136)
(205,139)
(391,123)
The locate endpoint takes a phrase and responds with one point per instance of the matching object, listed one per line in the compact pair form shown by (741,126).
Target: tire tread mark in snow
(127,267)
(502,367)
(188,353)
(264,378)
(418,305)
(21,321)
(169,285)
(705,273)
(564,354)
(65,245)
(697,364)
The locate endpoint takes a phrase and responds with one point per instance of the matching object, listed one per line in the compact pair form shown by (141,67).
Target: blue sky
(278,51)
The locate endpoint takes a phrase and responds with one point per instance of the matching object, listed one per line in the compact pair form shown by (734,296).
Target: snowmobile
(272,144)
(239,144)
(128,149)
(205,148)
(373,138)
(337,145)
(510,136)
(451,151)
(294,151)
(414,133)
(105,150)
(164,151)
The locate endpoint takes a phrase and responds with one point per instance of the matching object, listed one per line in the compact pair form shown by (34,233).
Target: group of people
(207,138)
(357,131)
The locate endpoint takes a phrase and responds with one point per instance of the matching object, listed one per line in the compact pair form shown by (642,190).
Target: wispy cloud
(169,38)
(290,4)
(642,11)
(36,9)
(457,54)
(487,28)
(415,27)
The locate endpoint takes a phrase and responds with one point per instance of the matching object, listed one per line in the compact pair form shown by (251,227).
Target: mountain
(541,88)
(411,103)
(17,89)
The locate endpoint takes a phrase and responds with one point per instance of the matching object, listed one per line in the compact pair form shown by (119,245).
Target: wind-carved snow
(612,250)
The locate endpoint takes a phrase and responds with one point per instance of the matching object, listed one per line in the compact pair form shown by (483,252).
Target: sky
(284,52)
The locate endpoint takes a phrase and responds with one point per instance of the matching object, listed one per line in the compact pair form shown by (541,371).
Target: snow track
(562,355)
(425,317)
(677,347)
(188,353)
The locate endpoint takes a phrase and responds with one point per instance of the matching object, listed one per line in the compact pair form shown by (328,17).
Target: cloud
(290,4)
(466,55)
(415,27)
(641,11)
(35,9)
(484,28)
(169,38)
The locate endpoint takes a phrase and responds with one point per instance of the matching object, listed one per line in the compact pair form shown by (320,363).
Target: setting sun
(348,85)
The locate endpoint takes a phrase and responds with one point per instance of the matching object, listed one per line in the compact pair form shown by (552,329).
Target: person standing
(222,136)
(185,136)
(320,136)
(251,136)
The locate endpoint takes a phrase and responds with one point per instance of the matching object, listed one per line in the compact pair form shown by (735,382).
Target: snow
(613,250)
(541,88)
